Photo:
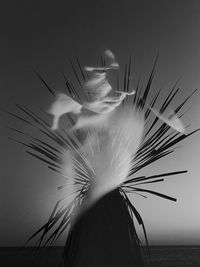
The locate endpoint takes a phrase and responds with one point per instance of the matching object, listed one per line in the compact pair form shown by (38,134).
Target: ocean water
(162,256)
(174,256)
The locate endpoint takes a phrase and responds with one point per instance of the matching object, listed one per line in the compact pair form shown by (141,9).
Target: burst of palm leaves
(158,142)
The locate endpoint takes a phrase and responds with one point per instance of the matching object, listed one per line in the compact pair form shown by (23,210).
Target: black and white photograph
(100,133)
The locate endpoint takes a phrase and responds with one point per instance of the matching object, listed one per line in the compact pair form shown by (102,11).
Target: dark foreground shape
(104,236)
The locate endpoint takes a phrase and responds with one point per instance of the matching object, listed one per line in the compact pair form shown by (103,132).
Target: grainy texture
(163,256)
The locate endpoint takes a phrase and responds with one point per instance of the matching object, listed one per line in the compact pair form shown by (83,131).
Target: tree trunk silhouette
(104,236)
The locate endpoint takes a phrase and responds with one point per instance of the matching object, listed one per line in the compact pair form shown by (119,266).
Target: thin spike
(45,83)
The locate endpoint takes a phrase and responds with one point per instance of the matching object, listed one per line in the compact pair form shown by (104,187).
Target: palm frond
(158,142)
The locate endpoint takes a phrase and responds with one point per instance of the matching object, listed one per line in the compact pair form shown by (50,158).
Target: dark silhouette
(104,235)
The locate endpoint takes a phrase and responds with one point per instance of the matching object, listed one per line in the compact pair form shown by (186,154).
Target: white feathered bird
(113,133)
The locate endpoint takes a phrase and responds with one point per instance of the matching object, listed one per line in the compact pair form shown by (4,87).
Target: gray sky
(45,35)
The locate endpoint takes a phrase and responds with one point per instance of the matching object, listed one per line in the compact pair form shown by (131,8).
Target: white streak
(93,121)
(125,93)
(98,88)
(118,143)
(109,53)
(113,63)
(173,121)
(98,68)
(63,104)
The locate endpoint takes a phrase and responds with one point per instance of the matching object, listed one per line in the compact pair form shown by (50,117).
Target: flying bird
(98,88)
(100,157)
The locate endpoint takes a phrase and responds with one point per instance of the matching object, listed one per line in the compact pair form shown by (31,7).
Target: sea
(161,256)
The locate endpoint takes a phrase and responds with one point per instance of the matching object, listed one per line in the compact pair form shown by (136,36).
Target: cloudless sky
(44,35)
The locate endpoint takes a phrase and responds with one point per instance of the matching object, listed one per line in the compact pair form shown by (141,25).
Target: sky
(45,35)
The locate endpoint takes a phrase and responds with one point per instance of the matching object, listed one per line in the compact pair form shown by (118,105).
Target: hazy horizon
(45,37)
